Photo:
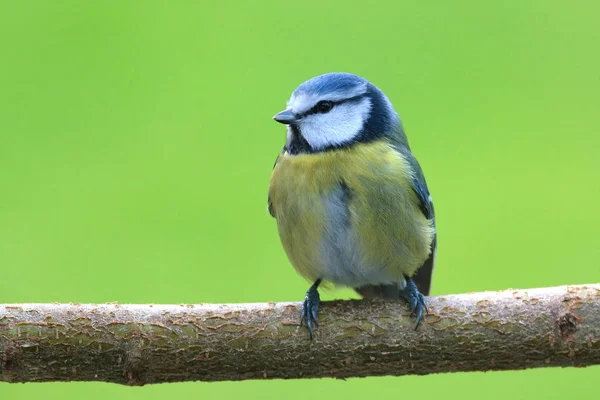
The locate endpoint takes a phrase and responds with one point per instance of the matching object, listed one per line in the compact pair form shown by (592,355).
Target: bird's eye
(324,106)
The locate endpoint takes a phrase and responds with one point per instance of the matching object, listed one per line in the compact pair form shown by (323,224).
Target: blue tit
(350,199)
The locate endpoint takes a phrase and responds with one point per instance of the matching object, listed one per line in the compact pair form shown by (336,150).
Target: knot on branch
(567,325)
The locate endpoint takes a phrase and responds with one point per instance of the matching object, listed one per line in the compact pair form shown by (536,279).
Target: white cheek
(342,124)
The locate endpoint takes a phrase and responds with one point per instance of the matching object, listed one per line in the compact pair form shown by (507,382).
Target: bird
(350,199)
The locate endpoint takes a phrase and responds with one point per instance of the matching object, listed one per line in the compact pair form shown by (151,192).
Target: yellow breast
(391,233)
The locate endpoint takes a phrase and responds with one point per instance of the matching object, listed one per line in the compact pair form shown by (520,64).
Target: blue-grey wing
(270,205)
(425,202)
(269,202)
(422,277)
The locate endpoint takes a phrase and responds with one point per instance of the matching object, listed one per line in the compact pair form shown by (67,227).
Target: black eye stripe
(315,109)
(324,106)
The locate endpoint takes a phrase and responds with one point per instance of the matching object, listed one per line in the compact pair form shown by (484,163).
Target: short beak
(286,117)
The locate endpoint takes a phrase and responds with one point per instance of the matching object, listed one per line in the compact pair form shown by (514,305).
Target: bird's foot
(417,301)
(310,308)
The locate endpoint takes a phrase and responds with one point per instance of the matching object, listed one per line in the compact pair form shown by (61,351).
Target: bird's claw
(310,309)
(417,301)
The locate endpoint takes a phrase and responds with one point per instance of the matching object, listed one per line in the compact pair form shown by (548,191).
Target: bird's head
(336,110)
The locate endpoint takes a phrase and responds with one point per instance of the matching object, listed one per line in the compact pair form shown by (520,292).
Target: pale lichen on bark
(141,344)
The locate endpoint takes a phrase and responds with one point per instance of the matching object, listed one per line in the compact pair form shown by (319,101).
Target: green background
(136,144)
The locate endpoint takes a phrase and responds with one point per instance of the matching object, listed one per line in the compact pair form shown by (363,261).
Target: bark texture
(142,344)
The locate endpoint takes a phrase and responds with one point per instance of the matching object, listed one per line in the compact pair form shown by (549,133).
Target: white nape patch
(340,125)
(300,103)
(391,111)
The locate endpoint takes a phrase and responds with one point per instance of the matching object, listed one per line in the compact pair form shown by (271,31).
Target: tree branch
(140,344)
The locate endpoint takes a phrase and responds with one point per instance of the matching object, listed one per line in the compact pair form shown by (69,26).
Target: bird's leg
(310,307)
(417,301)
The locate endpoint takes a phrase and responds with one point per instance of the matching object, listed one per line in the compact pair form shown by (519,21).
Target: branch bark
(141,344)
